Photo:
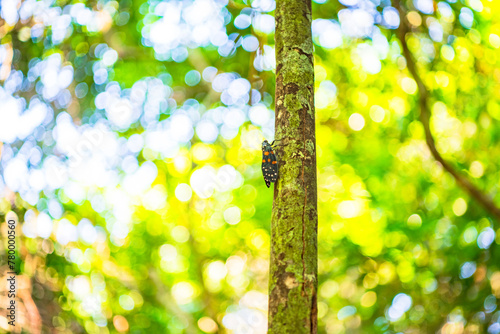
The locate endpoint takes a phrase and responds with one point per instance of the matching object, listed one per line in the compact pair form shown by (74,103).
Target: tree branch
(425,115)
(294,224)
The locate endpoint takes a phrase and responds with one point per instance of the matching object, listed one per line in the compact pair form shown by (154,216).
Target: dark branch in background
(425,115)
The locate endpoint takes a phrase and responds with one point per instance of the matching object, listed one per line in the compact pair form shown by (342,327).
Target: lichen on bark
(293,268)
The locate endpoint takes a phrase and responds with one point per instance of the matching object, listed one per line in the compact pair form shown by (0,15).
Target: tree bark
(293,268)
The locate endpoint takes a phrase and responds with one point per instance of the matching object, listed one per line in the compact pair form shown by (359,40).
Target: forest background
(131,135)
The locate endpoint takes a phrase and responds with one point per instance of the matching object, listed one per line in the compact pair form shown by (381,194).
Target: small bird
(269,163)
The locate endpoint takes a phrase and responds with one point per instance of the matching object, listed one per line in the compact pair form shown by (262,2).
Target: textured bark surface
(293,270)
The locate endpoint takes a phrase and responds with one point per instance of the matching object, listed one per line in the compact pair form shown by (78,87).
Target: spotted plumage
(269,163)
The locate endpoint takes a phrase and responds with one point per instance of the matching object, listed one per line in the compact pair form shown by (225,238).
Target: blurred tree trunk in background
(293,269)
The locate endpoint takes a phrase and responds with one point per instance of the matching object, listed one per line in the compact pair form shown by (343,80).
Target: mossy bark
(293,269)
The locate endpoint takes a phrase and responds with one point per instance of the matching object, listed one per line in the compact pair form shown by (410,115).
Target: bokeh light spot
(207,325)
(459,207)
(356,122)
(120,323)
(183,192)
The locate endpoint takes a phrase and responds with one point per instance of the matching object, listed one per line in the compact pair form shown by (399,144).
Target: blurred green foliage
(166,228)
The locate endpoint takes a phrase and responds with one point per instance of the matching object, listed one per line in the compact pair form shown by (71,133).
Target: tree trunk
(293,269)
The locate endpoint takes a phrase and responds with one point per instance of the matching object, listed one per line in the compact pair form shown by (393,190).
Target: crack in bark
(314,312)
(305,204)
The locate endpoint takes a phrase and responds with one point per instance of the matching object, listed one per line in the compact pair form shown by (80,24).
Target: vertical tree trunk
(293,270)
